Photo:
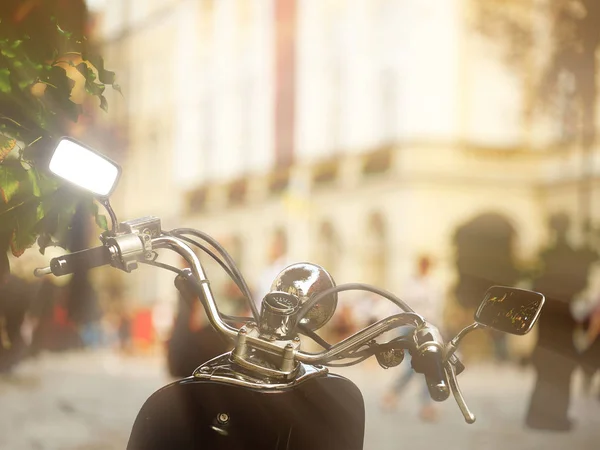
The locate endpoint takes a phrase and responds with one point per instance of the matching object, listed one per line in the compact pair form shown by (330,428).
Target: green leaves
(11,177)
(36,93)
(6,146)
(101,221)
(5,80)
(103,103)
(104,76)
(24,232)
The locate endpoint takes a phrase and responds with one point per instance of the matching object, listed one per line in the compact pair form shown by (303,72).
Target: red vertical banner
(285,58)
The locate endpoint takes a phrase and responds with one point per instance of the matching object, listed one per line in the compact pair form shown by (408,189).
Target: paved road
(88,401)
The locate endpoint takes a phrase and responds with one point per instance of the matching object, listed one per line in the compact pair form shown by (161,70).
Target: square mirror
(510,309)
(84,167)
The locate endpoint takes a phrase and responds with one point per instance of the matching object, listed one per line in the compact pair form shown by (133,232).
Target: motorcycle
(269,393)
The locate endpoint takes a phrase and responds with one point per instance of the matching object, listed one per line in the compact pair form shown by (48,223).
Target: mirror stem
(453,344)
(113,217)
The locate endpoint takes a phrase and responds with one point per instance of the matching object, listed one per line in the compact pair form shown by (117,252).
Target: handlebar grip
(82,260)
(430,364)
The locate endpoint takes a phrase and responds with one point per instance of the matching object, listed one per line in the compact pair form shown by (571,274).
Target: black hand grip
(82,260)
(430,363)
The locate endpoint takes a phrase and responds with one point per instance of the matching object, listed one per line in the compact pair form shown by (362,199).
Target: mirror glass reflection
(83,167)
(509,309)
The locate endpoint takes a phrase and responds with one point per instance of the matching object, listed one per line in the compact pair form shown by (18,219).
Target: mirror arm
(113,217)
(453,344)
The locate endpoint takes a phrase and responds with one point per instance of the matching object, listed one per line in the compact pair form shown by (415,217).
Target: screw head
(223,418)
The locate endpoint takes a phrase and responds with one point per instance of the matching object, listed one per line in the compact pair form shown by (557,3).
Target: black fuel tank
(324,412)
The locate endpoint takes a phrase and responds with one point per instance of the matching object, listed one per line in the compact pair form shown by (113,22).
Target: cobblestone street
(88,401)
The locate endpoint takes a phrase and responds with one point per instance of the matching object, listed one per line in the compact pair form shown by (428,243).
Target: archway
(484,257)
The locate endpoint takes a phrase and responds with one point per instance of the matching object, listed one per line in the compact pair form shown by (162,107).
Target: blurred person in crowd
(16,295)
(500,343)
(53,330)
(163,314)
(423,294)
(278,260)
(125,332)
(591,356)
(236,303)
(343,323)
(90,328)
(585,337)
(563,276)
(370,308)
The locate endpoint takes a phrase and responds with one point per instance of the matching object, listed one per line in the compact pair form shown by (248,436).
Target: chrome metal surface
(111,213)
(460,400)
(130,249)
(272,359)
(304,280)
(277,314)
(188,254)
(361,337)
(253,340)
(143,225)
(427,336)
(223,369)
(390,358)
(41,271)
(453,344)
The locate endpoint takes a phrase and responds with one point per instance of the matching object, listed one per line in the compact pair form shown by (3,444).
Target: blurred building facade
(370,130)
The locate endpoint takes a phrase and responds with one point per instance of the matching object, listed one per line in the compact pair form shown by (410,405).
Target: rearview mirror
(85,168)
(509,309)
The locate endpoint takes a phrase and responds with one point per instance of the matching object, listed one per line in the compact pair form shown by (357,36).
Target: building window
(388,104)
(208,124)
(376,242)
(328,248)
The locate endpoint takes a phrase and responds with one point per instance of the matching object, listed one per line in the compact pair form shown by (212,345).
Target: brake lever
(458,396)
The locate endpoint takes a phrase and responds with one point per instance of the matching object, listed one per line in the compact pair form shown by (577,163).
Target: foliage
(40,93)
(565,87)
(568,56)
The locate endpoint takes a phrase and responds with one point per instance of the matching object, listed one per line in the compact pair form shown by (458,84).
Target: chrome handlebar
(173,243)
(138,244)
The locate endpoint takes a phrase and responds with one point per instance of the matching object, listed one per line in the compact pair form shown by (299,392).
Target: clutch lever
(458,396)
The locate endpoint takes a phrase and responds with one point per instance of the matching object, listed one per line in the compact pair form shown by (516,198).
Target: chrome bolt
(204,369)
(296,339)
(223,418)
